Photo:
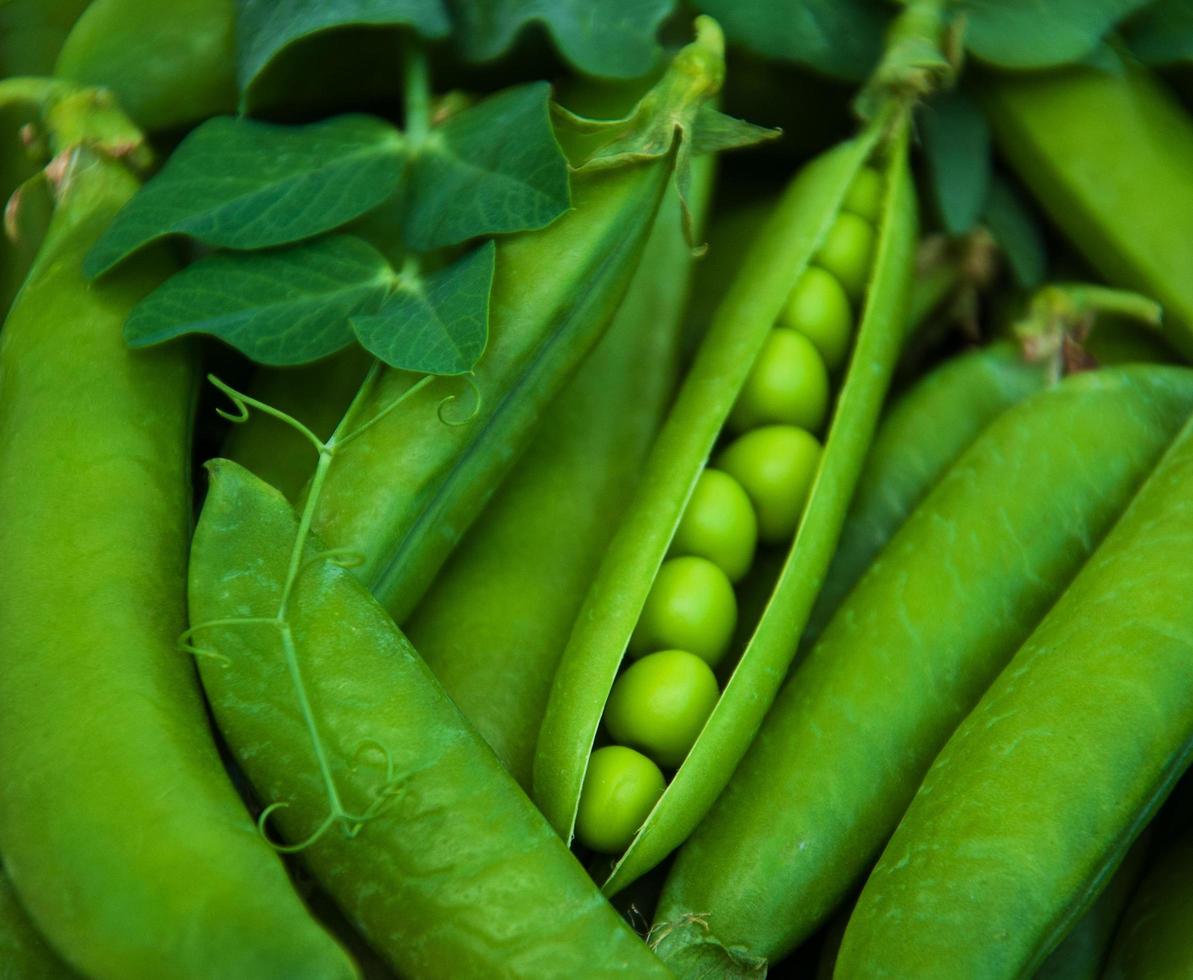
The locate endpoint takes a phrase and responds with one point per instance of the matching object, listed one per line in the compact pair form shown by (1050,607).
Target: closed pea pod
(1042,789)
(119,827)
(23,952)
(620,610)
(938,614)
(435,854)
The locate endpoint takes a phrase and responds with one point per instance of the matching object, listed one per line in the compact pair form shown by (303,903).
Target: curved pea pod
(920,437)
(119,826)
(909,652)
(611,609)
(168,65)
(446,867)
(1040,792)
(1108,155)
(23,951)
(497,617)
(1152,941)
(410,486)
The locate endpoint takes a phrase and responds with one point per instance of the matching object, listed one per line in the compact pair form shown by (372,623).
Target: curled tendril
(244,404)
(302,845)
(186,638)
(478,401)
(386,755)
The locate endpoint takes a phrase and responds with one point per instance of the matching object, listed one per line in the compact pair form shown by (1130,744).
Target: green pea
(865,195)
(846,252)
(660,704)
(719,524)
(819,309)
(691,606)
(621,787)
(775,464)
(788,384)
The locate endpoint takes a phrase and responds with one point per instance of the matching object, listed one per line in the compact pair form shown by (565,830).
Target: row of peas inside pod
(753,492)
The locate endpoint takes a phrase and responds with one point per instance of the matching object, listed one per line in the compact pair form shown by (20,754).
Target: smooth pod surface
(1042,789)
(454,874)
(24,954)
(910,651)
(118,824)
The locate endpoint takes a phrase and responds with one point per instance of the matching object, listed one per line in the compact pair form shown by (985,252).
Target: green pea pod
(410,486)
(447,864)
(1082,953)
(611,609)
(1152,942)
(1108,155)
(495,621)
(908,653)
(168,64)
(920,437)
(1042,789)
(118,824)
(24,954)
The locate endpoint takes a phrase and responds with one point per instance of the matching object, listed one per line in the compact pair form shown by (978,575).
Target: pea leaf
(1163,33)
(612,39)
(957,146)
(1031,34)
(491,169)
(284,307)
(842,38)
(1017,233)
(434,325)
(265,27)
(237,183)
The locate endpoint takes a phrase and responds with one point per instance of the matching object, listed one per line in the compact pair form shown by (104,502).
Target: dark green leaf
(842,38)
(1017,233)
(265,27)
(236,183)
(438,324)
(285,307)
(1163,33)
(491,169)
(1031,34)
(957,146)
(612,39)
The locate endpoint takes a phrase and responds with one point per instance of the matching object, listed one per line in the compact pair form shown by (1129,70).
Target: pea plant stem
(417,90)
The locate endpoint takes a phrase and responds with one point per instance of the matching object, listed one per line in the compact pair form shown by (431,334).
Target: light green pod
(615,600)
(119,826)
(440,860)
(1042,789)
(24,953)
(1152,942)
(909,652)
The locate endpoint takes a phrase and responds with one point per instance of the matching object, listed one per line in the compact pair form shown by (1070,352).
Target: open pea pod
(590,663)
(1041,790)
(400,809)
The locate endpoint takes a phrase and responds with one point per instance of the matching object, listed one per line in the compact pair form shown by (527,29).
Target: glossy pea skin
(818,307)
(1041,790)
(776,465)
(659,704)
(1152,942)
(936,617)
(621,787)
(691,606)
(847,251)
(865,194)
(788,385)
(449,879)
(719,524)
(119,827)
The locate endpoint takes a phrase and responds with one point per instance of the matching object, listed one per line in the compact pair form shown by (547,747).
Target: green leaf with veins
(673,115)
(841,38)
(438,324)
(490,169)
(1031,34)
(611,39)
(289,306)
(265,27)
(1163,33)
(237,183)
